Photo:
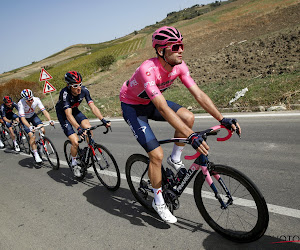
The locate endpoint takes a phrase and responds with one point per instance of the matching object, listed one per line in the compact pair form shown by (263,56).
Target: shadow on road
(65,176)
(30,163)
(215,241)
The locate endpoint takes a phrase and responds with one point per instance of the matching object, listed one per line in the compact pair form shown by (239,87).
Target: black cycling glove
(227,122)
(80,130)
(195,140)
(104,121)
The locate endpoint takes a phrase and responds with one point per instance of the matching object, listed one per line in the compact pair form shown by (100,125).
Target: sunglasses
(174,47)
(75,86)
(30,100)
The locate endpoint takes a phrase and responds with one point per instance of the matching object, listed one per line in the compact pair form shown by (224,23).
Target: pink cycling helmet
(165,35)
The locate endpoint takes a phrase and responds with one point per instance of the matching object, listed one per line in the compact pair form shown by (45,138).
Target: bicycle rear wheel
(51,153)
(246,218)
(138,180)
(106,167)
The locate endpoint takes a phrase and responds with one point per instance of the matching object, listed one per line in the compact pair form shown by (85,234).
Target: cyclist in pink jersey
(141,99)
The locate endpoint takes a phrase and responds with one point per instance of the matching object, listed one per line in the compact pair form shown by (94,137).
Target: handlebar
(93,128)
(211,131)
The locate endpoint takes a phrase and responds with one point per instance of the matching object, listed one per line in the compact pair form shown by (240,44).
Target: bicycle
(21,137)
(97,156)
(232,205)
(5,137)
(45,146)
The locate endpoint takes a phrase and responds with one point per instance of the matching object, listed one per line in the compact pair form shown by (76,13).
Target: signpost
(48,87)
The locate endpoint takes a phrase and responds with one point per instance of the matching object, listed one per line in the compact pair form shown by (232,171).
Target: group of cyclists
(141,99)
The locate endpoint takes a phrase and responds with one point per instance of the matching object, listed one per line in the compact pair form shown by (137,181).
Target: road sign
(45,75)
(48,88)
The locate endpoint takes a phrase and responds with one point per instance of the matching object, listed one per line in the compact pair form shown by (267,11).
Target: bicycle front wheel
(138,180)
(51,153)
(106,167)
(246,217)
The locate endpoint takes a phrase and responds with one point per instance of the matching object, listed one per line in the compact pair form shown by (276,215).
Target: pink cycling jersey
(150,80)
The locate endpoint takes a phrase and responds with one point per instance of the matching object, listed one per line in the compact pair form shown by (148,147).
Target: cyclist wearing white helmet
(27,106)
(141,99)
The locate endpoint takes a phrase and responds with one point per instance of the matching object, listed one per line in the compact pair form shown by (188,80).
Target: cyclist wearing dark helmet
(141,99)
(70,116)
(8,116)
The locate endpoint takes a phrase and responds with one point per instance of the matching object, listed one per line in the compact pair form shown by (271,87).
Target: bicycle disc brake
(171,199)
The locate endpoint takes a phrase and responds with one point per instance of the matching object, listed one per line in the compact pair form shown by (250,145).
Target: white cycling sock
(74,162)
(35,152)
(15,142)
(176,153)
(158,198)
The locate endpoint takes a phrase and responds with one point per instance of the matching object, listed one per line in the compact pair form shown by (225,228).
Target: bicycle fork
(205,165)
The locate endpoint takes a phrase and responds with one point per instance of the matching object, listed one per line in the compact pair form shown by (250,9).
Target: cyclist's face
(173,57)
(75,91)
(8,104)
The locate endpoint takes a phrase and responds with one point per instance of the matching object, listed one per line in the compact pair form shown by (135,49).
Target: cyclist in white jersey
(27,106)
(141,99)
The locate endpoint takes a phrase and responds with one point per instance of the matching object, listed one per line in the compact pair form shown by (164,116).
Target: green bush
(105,62)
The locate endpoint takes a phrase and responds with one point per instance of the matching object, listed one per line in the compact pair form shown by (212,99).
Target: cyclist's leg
(136,117)
(188,118)
(30,134)
(10,129)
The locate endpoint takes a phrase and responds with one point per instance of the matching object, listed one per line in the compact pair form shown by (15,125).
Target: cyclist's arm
(170,116)
(205,102)
(71,118)
(46,114)
(25,122)
(96,112)
(5,119)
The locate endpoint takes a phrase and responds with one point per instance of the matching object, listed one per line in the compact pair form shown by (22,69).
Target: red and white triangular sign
(45,75)
(48,88)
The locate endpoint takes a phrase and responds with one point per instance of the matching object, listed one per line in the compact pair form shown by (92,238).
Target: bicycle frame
(202,162)
(91,143)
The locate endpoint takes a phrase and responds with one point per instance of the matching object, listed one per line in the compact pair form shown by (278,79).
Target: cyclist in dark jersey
(1,124)
(70,116)
(8,116)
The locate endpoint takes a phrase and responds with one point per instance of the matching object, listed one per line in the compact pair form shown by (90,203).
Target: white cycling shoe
(37,158)
(164,212)
(17,148)
(175,165)
(77,171)
(1,144)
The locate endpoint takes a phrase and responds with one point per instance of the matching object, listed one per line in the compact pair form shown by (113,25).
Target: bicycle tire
(235,229)
(7,141)
(67,152)
(138,181)
(48,150)
(106,167)
(24,142)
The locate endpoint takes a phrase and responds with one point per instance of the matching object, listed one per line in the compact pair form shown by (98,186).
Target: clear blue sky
(31,30)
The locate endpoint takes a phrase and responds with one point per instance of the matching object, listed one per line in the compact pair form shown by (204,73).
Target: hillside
(225,48)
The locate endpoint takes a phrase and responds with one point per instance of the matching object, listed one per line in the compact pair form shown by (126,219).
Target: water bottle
(170,176)
(181,174)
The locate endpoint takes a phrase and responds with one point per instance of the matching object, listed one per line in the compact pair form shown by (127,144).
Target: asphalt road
(45,209)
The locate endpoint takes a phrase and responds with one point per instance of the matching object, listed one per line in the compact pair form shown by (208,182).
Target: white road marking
(291,212)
